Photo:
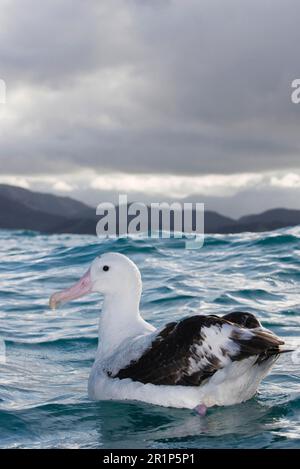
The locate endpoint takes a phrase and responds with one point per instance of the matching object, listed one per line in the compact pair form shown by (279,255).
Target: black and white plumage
(199,360)
(189,352)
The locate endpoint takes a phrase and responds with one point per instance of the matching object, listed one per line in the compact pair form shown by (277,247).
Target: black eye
(105,268)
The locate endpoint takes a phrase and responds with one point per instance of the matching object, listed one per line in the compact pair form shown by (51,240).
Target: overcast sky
(160,99)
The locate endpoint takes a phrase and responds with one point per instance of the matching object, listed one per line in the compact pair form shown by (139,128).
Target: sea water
(46,356)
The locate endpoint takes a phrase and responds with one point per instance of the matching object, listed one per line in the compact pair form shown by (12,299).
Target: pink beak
(82,287)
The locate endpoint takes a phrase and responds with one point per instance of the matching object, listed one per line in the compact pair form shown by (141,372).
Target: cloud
(174,186)
(160,88)
(290,180)
(217,190)
(62,186)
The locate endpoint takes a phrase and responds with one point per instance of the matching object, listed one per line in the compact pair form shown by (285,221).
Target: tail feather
(286,350)
(271,352)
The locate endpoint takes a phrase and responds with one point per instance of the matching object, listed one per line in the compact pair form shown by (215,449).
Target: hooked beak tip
(53,303)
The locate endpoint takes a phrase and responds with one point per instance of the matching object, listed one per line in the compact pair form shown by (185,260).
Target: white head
(110,274)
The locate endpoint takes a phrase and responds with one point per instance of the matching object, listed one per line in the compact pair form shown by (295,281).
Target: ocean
(46,356)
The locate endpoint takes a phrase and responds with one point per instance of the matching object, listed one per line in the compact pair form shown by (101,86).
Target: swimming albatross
(196,362)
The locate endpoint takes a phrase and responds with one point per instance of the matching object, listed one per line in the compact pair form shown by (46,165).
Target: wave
(43,397)
(282,239)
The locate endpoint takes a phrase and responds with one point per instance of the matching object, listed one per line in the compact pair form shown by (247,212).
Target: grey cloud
(207,85)
(53,43)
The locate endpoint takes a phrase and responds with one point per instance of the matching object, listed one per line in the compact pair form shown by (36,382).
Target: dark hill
(48,213)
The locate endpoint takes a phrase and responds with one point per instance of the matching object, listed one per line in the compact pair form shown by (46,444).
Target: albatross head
(110,274)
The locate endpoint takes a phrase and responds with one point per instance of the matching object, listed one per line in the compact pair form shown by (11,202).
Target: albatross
(195,363)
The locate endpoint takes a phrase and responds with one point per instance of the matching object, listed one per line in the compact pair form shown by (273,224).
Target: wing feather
(190,351)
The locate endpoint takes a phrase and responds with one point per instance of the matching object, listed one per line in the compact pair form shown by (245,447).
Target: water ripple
(43,397)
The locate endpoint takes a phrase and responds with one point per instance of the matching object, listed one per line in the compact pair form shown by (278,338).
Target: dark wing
(190,351)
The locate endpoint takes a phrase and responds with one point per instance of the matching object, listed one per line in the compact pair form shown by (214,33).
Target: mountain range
(48,213)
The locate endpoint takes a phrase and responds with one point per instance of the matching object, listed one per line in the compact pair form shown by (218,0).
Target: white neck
(120,319)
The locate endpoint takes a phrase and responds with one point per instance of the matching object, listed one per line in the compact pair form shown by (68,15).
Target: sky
(158,99)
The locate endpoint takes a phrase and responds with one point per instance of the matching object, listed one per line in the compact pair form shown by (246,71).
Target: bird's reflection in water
(138,425)
(112,424)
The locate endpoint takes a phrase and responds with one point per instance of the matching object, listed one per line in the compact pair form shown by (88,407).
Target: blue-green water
(43,397)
